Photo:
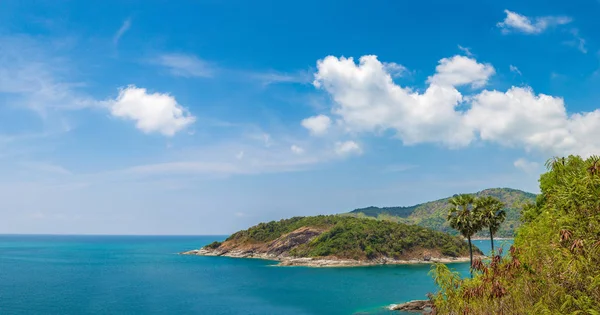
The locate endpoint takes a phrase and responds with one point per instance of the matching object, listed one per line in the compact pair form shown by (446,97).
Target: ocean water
(42,274)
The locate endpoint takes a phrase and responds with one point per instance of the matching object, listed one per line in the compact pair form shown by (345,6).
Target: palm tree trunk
(471,254)
(492,238)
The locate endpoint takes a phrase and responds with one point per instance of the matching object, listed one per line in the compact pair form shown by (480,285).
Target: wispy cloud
(400,167)
(36,78)
(515,22)
(261,137)
(515,69)
(184,65)
(45,167)
(186,168)
(577,41)
(274,77)
(256,163)
(191,66)
(297,149)
(466,50)
(526,166)
(244,154)
(555,75)
(124,28)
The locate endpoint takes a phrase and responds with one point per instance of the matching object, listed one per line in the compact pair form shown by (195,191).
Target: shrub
(213,245)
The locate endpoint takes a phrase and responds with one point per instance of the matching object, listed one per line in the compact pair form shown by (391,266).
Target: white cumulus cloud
(460,70)
(520,118)
(394,69)
(317,125)
(347,148)
(152,112)
(515,22)
(365,99)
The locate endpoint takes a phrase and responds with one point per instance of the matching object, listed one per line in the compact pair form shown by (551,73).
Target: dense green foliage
(265,232)
(213,245)
(353,238)
(402,212)
(554,265)
(433,214)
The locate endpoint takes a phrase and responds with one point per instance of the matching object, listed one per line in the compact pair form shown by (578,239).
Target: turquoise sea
(43,274)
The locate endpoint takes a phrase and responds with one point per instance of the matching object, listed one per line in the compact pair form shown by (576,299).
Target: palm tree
(462,218)
(491,214)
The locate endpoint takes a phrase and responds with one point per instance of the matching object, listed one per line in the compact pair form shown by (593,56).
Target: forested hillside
(433,214)
(341,237)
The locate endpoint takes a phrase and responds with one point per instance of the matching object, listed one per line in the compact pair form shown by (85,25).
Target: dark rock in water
(423,306)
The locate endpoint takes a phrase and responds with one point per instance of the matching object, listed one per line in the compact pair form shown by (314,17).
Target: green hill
(339,237)
(433,214)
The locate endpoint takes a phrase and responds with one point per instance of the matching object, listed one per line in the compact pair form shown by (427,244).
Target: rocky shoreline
(417,306)
(495,238)
(322,262)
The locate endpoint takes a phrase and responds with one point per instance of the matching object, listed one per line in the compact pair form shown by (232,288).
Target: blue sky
(205,117)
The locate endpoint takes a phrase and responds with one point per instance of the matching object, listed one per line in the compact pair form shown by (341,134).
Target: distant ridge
(432,214)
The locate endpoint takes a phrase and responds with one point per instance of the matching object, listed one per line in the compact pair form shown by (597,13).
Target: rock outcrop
(418,306)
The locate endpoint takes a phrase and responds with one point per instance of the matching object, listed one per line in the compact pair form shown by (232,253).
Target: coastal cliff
(331,241)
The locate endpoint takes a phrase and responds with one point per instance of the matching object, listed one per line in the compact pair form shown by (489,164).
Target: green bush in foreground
(554,265)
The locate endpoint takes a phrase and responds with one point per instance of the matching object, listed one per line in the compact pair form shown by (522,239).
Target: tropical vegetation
(490,214)
(553,266)
(462,218)
(468,215)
